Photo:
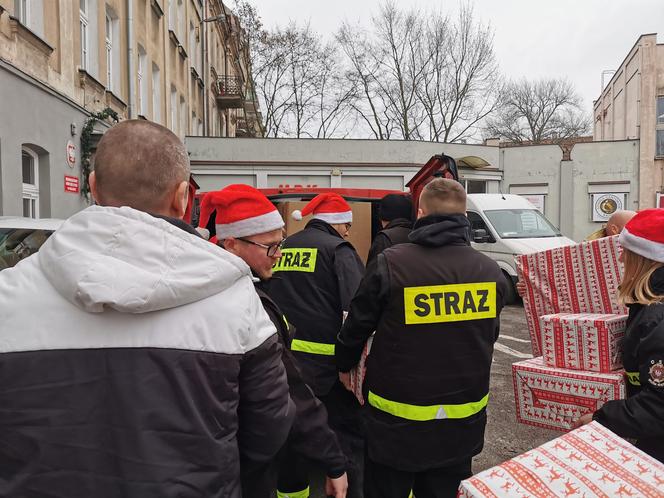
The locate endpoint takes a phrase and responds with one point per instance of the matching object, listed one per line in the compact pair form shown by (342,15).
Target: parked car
(504,226)
(22,237)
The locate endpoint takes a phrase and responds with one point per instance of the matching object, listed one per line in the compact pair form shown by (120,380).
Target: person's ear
(180,200)
(92,181)
(230,244)
(420,213)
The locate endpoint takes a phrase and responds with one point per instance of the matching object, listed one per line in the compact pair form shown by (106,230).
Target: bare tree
(421,75)
(336,95)
(535,111)
(462,81)
(362,73)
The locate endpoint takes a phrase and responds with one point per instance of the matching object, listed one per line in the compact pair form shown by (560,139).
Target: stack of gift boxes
(590,461)
(575,324)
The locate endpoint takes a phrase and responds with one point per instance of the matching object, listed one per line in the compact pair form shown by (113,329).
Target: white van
(504,226)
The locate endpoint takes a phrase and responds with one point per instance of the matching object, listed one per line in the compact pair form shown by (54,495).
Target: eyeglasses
(271,249)
(348,225)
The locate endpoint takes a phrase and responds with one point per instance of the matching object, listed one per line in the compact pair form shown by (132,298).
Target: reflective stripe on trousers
(424,413)
(312,347)
(297,494)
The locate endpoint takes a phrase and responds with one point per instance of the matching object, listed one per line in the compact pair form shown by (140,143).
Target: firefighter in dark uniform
(316,278)
(641,415)
(396,213)
(435,305)
(249,226)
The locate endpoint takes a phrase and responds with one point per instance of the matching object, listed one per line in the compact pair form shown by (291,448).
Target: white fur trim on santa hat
(334,218)
(251,226)
(296,215)
(641,246)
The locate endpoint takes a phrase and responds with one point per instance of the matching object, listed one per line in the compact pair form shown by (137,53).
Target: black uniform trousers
(345,419)
(381,481)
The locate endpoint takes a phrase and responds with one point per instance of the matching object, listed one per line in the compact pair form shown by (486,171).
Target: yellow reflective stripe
(297,259)
(283,317)
(449,303)
(312,347)
(297,494)
(424,413)
(633,378)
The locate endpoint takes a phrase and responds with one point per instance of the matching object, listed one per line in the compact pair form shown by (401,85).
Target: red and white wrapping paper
(588,462)
(583,341)
(555,398)
(582,278)
(358,373)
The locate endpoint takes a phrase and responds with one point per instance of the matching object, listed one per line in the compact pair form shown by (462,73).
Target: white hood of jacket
(132,262)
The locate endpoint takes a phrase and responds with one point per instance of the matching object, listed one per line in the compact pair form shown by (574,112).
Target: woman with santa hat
(641,415)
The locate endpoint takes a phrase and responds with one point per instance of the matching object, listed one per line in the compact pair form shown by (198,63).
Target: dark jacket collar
(323,227)
(399,222)
(178,223)
(441,230)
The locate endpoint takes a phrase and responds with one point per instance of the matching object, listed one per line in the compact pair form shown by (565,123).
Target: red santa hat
(241,211)
(644,234)
(329,207)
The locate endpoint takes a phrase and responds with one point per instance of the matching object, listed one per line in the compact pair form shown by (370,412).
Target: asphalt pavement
(505,437)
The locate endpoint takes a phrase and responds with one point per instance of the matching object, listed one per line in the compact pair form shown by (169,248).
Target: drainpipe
(205,70)
(130,59)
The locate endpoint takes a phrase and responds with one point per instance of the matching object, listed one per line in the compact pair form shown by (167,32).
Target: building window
(183,116)
(174,110)
(30,167)
(142,82)
(193,125)
(83,23)
(172,22)
(156,93)
(192,46)
(109,52)
(22,11)
(180,20)
(200,128)
(475,186)
(659,152)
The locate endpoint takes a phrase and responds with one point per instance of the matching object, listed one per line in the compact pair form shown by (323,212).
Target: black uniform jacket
(314,282)
(641,415)
(310,435)
(396,232)
(435,305)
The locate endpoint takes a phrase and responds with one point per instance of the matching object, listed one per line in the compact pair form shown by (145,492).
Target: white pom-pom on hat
(296,215)
(203,232)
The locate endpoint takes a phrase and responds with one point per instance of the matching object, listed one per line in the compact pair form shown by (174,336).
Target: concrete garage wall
(568,184)
(598,167)
(327,163)
(537,166)
(35,116)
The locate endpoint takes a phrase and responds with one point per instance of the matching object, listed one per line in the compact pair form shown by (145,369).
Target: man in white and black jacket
(136,359)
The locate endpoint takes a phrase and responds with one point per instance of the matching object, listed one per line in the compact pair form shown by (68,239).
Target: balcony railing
(229,92)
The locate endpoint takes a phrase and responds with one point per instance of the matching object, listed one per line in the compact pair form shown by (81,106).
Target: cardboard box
(360,232)
(583,341)
(582,278)
(589,461)
(555,398)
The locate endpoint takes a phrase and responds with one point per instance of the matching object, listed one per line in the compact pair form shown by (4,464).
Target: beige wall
(627,110)
(50,51)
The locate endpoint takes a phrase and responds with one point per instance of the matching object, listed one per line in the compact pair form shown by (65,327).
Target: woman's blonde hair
(635,286)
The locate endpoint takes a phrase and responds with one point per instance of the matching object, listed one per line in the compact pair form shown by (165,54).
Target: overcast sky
(577,39)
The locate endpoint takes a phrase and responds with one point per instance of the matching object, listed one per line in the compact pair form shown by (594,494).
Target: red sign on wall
(72,184)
